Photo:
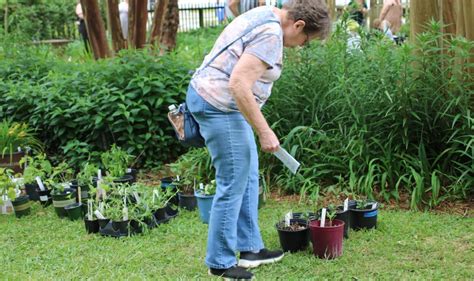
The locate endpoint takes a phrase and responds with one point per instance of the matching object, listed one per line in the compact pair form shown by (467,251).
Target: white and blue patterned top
(260,35)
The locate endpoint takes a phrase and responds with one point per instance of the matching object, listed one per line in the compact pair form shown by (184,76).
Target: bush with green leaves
(380,121)
(123,100)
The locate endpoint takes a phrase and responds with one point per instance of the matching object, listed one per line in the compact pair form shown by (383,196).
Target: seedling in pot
(116,161)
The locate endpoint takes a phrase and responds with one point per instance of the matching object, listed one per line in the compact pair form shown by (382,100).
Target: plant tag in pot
(323,217)
(136,196)
(43,198)
(40,184)
(125,213)
(201,186)
(177,177)
(19,149)
(288,218)
(99,215)
(346,204)
(99,175)
(129,170)
(374,205)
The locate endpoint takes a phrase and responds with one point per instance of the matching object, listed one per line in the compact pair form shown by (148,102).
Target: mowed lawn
(406,245)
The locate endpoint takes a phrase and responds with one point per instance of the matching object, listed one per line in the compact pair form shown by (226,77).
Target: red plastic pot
(327,241)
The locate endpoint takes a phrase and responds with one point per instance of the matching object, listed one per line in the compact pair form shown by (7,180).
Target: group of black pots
(327,240)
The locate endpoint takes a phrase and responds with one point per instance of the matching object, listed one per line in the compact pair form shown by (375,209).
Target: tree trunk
(161,6)
(171,24)
(332,9)
(464,9)
(137,19)
(421,13)
(118,41)
(95,28)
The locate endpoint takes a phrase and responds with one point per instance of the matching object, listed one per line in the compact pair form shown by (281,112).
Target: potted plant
(37,166)
(205,197)
(341,214)
(115,162)
(14,138)
(293,233)
(363,214)
(187,200)
(90,220)
(167,186)
(62,194)
(8,189)
(116,213)
(85,179)
(327,236)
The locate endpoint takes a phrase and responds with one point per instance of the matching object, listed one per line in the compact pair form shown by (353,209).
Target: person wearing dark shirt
(358,10)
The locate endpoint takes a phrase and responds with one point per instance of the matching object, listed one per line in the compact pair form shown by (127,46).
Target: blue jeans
(233,225)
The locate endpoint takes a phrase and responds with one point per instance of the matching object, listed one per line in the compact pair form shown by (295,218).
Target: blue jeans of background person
(233,225)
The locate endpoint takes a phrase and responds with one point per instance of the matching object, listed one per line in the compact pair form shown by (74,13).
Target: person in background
(82,25)
(392,12)
(358,11)
(238,7)
(384,27)
(123,12)
(225,97)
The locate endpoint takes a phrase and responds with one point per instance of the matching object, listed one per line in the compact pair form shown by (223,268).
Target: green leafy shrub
(122,100)
(380,121)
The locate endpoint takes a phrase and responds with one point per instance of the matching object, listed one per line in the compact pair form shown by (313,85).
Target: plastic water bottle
(177,120)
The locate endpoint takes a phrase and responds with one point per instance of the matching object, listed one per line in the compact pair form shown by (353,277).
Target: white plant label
(99,215)
(374,205)
(99,174)
(125,213)
(43,198)
(177,178)
(287,159)
(40,183)
(89,209)
(288,218)
(128,170)
(201,186)
(346,204)
(136,196)
(323,217)
(19,149)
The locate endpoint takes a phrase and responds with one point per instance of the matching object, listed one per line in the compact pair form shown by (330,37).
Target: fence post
(201,17)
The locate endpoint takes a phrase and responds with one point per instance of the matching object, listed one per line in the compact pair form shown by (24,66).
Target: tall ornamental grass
(379,121)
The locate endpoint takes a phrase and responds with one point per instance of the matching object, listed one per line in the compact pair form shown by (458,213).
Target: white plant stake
(89,209)
(40,183)
(323,217)
(136,196)
(201,186)
(125,210)
(346,204)
(79,194)
(374,205)
(99,175)
(177,177)
(288,218)
(99,215)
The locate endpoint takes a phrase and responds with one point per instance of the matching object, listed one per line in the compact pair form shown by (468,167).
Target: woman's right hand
(269,141)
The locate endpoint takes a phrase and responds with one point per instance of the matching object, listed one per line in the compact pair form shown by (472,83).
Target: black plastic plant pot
(61,200)
(293,239)
(22,206)
(364,218)
(120,226)
(91,226)
(166,184)
(84,190)
(103,222)
(124,179)
(32,191)
(135,226)
(45,197)
(160,214)
(133,173)
(74,211)
(187,201)
(345,217)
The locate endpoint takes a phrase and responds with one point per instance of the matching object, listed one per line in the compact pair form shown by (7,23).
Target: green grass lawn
(406,245)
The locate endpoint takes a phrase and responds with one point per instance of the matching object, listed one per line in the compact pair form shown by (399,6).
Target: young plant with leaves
(116,161)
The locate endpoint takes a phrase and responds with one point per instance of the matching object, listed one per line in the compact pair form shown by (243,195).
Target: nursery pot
(293,240)
(124,179)
(204,203)
(12,161)
(103,222)
(91,226)
(22,206)
(160,214)
(74,211)
(187,201)
(120,226)
(345,217)
(32,191)
(44,197)
(364,218)
(133,173)
(327,241)
(61,200)
(84,190)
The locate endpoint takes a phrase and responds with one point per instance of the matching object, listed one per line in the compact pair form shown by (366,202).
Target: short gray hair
(313,12)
